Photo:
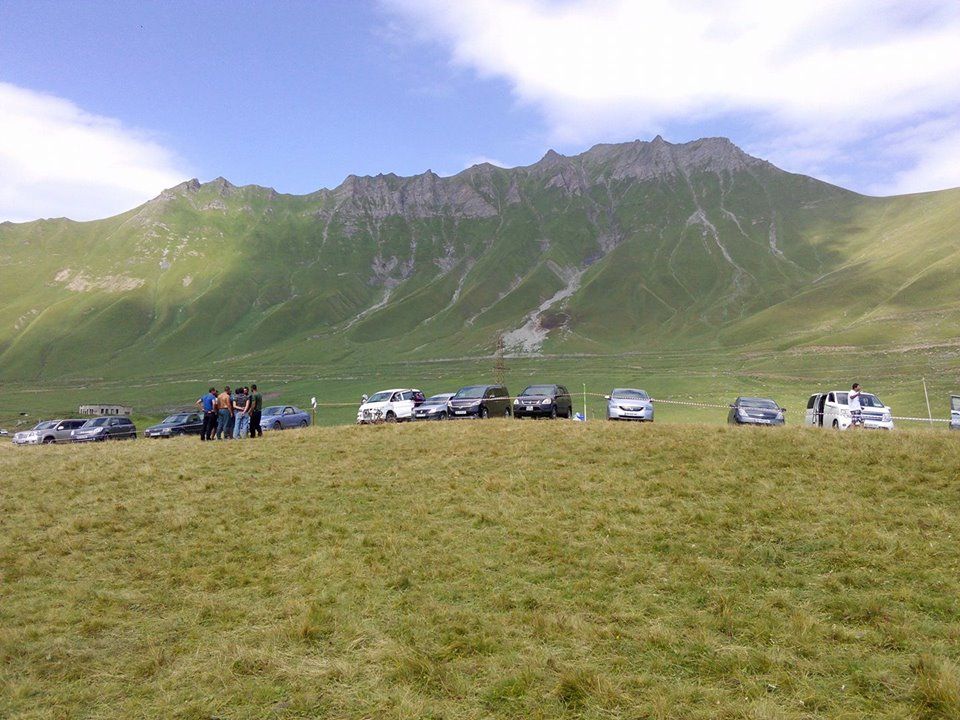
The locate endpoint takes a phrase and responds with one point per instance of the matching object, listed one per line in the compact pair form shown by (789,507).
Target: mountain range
(625,247)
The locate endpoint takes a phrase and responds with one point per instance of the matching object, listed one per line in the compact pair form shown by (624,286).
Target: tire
(836,425)
(506,413)
(484,413)
(553,413)
(391,418)
(303,423)
(277,425)
(442,415)
(48,440)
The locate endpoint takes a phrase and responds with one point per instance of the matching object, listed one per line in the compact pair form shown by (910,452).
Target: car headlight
(165,431)
(516,401)
(887,417)
(546,401)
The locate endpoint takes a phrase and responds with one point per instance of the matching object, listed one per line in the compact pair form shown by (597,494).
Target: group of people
(231,414)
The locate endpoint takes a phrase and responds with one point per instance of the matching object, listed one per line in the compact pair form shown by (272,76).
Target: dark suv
(105,428)
(480,401)
(543,401)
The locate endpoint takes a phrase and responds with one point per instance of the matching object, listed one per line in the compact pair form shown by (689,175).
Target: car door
(404,405)
(193,425)
(288,418)
(809,417)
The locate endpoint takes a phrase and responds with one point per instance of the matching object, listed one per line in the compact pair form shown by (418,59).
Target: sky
(104,103)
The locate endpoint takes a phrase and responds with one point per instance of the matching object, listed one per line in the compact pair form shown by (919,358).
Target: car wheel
(506,412)
(303,423)
(836,425)
(277,425)
(553,413)
(484,413)
(442,415)
(391,418)
(47,440)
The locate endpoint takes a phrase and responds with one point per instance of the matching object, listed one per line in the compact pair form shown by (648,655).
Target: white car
(389,406)
(831,410)
(955,412)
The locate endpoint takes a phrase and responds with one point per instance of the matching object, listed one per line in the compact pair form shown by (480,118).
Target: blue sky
(103,104)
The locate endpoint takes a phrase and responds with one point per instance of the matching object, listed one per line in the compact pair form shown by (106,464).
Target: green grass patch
(506,569)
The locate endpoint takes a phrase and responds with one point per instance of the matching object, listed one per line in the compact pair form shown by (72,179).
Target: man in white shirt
(853,402)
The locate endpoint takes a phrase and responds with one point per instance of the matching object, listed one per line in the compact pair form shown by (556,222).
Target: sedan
(629,404)
(433,408)
(105,428)
(283,417)
(179,424)
(755,411)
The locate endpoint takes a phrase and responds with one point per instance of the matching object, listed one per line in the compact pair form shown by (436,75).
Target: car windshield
(45,425)
(436,400)
(474,391)
(758,404)
(383,396)
(629,394)
(175,419)
(539,390)
(273,410)
(870,401)
(96,422)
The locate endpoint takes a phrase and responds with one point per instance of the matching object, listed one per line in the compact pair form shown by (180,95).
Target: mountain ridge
(627,245)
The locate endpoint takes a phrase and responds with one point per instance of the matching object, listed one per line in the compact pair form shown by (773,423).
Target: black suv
(480,401)
(105,428)
(543,401)
(189,423)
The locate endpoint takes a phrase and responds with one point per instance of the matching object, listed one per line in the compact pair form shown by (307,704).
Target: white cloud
(57,160)
(809,77)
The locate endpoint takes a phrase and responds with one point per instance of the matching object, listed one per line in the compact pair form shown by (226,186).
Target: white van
(393,405)
(955,412)
(830,409)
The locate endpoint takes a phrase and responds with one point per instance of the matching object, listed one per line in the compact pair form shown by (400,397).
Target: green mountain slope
(623,247)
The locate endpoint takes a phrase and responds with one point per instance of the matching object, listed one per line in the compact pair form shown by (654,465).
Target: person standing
(241,413)
(853,402)
(208,403)
(223,412)
(256,410)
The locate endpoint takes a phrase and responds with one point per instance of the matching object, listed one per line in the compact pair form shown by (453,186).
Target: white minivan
(830,409)
(955,412)
(389,406)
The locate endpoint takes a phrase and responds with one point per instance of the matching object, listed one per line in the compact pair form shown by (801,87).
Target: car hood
(375,406)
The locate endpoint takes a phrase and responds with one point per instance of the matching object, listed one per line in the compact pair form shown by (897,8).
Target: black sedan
(543,401)
(433,408)
(179,424)
(755,411)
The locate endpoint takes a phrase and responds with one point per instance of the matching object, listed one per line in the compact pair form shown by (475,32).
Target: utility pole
(929,414)
(499,364)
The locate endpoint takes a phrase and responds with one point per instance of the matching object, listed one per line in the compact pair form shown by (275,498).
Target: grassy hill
(497,569)
(623,248)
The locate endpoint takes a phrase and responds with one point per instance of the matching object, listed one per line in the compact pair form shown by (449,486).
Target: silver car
(46,432)
(629,404)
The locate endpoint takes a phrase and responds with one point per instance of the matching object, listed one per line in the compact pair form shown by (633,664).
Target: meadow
(496,569)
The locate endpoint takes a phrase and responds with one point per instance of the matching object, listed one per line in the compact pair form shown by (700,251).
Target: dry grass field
(472,570)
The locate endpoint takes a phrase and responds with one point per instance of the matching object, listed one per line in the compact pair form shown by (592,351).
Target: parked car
(180,424)
(433,408)
(283,417)
(756,411)
(629,404)
(393,405)
(955,412)
(831,409)
(480,401)
(47,432)
(538,401)
(108,427)
(4,432)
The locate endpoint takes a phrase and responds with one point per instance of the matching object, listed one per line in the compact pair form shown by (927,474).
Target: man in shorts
(853,402)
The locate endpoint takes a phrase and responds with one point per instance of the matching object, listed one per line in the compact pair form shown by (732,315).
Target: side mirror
(783,409)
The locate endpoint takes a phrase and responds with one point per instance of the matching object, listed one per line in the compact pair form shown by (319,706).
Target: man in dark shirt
(256,407)
(241,413)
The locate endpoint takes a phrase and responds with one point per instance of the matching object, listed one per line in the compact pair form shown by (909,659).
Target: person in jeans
(853,402)
(256,409)
(241,413)
(223,413)
(208,403)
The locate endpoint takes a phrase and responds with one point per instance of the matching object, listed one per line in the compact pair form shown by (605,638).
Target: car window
(842,398)
(406,395)
(288,411)
(955,402)
(810,402)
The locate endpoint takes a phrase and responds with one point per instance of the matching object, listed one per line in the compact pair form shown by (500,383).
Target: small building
(105,409)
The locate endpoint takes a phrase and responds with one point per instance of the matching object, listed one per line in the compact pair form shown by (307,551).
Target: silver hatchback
(629,404)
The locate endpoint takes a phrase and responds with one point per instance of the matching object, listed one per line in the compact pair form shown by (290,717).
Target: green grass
(498,569)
